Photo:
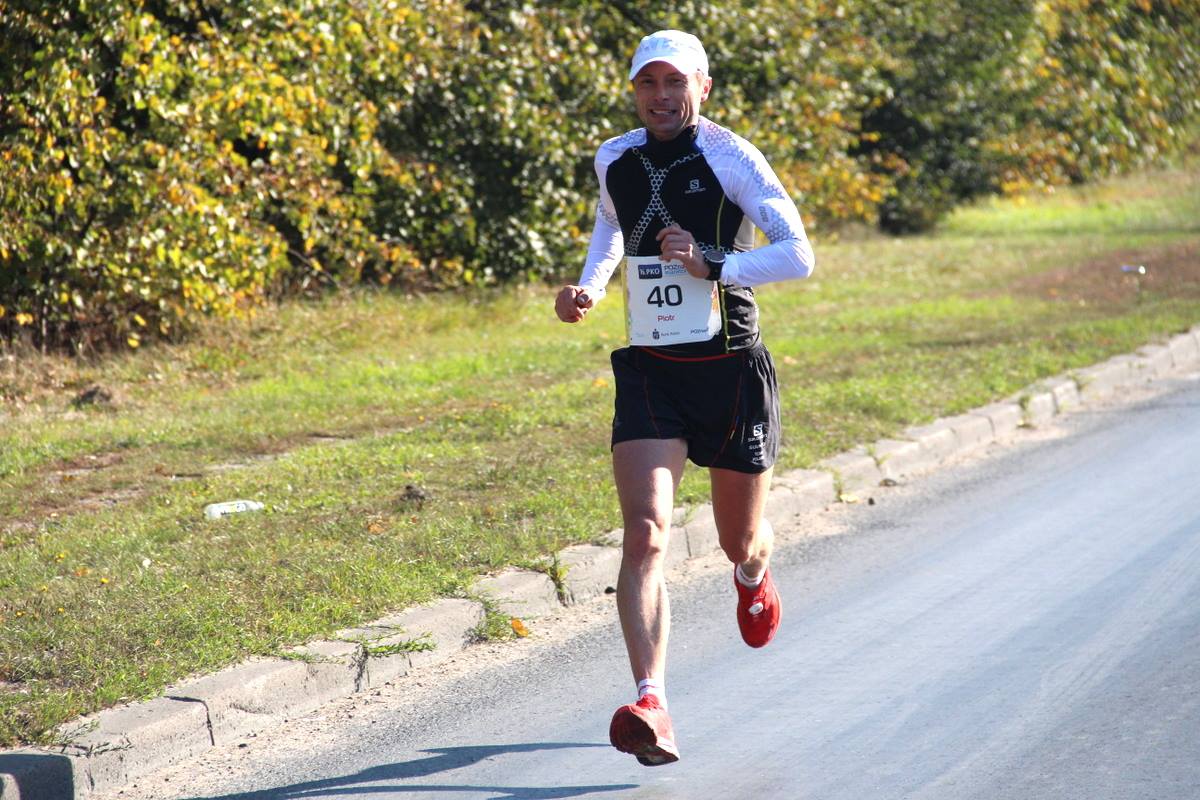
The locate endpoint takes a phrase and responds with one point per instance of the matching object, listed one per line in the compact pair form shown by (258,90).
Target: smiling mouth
(662,113)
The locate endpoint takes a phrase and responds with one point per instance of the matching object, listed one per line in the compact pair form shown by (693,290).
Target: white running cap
(682,51)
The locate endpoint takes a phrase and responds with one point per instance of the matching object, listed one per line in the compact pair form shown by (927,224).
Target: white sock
(654,686)
(749,583)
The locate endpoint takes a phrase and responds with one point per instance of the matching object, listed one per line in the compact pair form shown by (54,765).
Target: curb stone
(1065,393)
(972,432)
(1185,349)
(1100,381)
(854,470)
(1037,406)
(129,741)
(249,696)
(121,744)
(898,458)
(701,532)
(591,570)
(1004,417)
(797,492)
(519,592)
(1156,360)
(937,439)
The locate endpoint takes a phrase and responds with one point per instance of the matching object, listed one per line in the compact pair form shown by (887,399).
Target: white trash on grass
(218,510)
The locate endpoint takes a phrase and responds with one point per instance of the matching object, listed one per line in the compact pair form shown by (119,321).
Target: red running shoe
(758,610)
(644,729)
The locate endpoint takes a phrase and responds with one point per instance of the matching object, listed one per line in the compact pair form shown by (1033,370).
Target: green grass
(112,584)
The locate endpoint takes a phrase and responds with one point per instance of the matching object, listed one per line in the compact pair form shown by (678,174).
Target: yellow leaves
(599,383)
(24,319)
(99,105)
(134,341)
(518,627)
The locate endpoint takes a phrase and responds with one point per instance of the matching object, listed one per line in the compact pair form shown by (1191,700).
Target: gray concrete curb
(118,745)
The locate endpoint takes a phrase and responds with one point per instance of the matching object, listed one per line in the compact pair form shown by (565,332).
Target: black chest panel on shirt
(660,183)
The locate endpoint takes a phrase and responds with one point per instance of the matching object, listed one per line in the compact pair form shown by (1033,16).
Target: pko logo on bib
(649,271)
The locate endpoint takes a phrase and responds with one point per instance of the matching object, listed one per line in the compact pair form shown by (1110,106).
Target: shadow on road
(367,782)
(33,774)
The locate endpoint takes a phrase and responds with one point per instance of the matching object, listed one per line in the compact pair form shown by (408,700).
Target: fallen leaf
(519,627)
(848,497)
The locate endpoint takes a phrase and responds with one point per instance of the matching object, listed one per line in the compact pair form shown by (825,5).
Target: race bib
(665,305)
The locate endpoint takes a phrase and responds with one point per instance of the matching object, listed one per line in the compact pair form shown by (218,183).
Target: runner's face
(667,100)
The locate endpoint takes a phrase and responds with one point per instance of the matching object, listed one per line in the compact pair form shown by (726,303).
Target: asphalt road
(1026,626)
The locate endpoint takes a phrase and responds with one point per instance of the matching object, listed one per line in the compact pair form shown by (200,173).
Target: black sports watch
(715,260)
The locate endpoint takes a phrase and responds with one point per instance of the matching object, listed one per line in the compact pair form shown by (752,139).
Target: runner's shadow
(445,758)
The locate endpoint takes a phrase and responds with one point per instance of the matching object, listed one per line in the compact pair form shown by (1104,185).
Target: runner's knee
(740,551)
(645,541)
(744,544)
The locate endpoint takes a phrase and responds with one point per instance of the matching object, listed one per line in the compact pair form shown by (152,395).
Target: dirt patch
(1115,279)
(82,465)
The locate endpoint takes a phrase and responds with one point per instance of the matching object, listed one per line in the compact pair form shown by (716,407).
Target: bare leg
(647,471)
(738,500)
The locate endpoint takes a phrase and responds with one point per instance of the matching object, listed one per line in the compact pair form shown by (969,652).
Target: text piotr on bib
(665,304)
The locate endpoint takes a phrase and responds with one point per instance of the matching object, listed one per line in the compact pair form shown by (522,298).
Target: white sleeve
(608,243)
(750,182)
(604,254)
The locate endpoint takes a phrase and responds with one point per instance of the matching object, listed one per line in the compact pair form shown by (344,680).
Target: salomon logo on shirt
(693,187)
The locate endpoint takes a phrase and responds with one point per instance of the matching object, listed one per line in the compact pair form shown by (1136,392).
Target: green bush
(161,160)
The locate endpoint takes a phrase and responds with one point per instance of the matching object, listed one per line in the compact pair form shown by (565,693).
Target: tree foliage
(166,159)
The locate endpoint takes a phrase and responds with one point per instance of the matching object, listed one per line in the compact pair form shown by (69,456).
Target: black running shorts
(725,407)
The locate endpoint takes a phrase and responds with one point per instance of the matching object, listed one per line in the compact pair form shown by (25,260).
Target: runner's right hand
(572,304)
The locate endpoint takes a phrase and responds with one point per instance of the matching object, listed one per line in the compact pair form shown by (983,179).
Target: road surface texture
(1021,626)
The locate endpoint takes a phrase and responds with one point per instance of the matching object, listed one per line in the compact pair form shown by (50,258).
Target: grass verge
(405,445)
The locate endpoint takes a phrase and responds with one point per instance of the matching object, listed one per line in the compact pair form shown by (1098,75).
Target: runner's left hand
(679,245)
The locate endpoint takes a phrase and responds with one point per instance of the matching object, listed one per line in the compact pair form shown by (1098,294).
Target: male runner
(679,200)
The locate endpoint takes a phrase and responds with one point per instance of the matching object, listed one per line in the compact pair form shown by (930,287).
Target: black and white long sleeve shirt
(716,185)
